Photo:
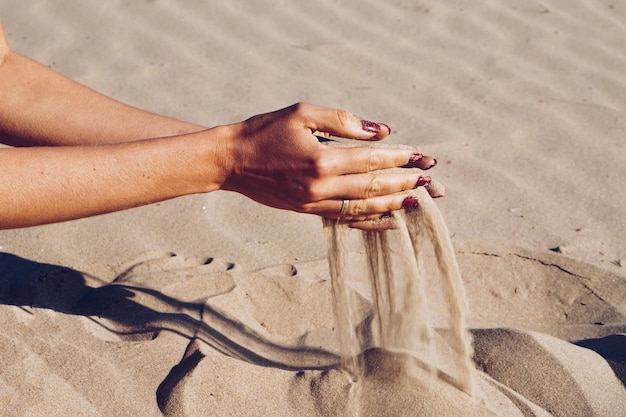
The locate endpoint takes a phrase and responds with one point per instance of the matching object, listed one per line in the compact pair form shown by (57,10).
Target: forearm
(39,106)
(51,184)
(88,154)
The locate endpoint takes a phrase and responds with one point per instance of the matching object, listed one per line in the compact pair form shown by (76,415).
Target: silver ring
(344,207)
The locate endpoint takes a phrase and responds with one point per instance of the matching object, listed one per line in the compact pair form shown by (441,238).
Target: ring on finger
(344,207)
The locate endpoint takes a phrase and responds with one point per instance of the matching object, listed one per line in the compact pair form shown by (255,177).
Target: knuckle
(323,169)
(307,208)
(374,188)
(375,161)
(306,190)
(358,207)
(312,192)
(301,108)
(319,167)
(343,118)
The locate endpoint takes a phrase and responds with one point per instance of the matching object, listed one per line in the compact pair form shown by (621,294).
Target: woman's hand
(95,161)
(278,161)
(273,158)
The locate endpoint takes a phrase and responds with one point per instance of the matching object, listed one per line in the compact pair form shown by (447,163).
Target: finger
(417,160)
(363,186)
(340,123)
(362,209)
(435,189)
(376,225)
(362,159)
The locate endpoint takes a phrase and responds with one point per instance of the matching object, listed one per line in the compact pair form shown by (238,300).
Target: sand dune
(522,104)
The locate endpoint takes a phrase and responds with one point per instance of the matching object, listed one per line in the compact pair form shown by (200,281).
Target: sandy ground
(214,305)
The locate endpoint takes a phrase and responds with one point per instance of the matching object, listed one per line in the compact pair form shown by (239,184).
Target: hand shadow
(134,311)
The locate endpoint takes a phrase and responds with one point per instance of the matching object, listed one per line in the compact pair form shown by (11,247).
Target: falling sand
(416,325)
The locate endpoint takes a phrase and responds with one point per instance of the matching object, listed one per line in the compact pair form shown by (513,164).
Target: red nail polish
(422,181)
(414,160)
(410,202)
(368,126)
(432,164)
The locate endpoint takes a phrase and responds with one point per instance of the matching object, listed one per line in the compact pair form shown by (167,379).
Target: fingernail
(387,126)
(432,164)
(410,202)
(368,126)
(423,180)
(414,160)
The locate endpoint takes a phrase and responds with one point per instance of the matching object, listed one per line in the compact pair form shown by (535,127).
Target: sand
(411,279)
(214,305)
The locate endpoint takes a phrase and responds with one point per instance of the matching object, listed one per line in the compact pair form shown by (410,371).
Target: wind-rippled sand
(522,104)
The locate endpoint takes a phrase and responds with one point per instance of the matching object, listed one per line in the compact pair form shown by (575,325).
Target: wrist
(218,156)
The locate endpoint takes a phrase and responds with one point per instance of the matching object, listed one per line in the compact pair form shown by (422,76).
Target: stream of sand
(418,304)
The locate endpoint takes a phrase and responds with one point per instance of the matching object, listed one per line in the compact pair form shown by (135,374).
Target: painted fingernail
(371,127)
(387,126)
(410,202)
(433,162)
(422,181)
(414,160)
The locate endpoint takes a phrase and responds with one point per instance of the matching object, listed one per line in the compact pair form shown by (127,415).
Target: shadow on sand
(137,312)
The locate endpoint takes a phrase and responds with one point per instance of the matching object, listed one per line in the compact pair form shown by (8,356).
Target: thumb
(341,123)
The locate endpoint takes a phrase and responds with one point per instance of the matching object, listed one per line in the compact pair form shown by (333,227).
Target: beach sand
(215,305)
